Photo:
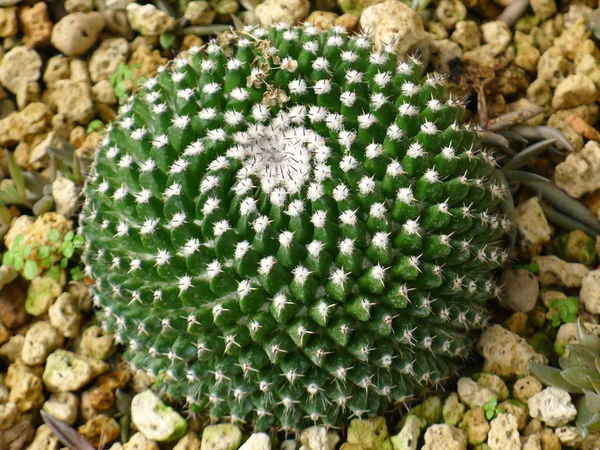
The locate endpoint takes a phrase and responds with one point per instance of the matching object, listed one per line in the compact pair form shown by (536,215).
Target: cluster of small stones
(289,227)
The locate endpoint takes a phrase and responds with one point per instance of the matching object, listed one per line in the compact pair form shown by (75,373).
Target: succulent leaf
(592,400)
(581,377)
(552,376)
(587,421)
(587,338)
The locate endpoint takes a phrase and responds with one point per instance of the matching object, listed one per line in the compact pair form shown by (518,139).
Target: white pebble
(473,394)
(257,441)
(504,433)
(76,33)
(221,437)
(445,437)
(63,405)
(506,354)
(590,292)
(66,371)
(154,419)
(41,340)
(552,406)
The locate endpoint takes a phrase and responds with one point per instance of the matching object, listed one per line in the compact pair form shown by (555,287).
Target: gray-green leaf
(587,338)
(592,401)
(581,377)
(551,376)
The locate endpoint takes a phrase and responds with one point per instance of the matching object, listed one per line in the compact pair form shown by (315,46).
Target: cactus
(291,227)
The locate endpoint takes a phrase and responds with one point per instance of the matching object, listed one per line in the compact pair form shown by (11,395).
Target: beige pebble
(76,33)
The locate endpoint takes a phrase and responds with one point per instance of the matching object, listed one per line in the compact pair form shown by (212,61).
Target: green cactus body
(291,228)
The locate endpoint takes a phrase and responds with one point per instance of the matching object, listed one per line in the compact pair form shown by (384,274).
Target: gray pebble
(520,290)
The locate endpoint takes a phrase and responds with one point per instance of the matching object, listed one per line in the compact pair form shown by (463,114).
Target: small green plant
(5,219)
(118,80)
(566,310)
(23,257)
(30,189)
(17,258)
(532,267)
(167,40)
(13,190)
(94,125)
(491,408)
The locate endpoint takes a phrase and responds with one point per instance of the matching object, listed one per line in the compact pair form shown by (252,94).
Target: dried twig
(482,108)
(514,117)
(67,435)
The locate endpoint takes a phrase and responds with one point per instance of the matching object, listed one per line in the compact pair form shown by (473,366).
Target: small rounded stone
(271,12)
(149,20)
(19,66)
(99,429)
(155,420)
(62,405)
(76,33)
(41,339)
(520,290)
